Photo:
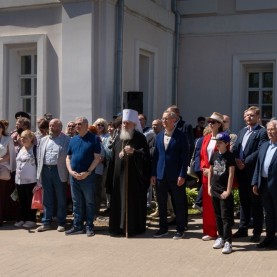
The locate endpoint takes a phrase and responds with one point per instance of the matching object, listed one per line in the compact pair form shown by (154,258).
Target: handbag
(190,170)
(37,199)
(5,174)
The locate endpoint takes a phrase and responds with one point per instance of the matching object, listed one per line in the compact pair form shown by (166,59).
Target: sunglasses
(212,121)
(100,125)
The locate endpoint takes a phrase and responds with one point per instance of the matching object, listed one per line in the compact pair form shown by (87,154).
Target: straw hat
(216,116)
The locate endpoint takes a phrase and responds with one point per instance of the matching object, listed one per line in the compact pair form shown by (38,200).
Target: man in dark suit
(264,183)
(169,171)
(185,128)
(246,150)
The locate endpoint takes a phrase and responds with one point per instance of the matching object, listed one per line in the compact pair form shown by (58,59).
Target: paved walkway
(27,253)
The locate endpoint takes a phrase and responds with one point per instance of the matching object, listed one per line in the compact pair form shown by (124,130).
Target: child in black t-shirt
(220,181)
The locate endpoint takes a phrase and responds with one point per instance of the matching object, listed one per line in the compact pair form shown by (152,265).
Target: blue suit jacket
(172,162)
(272,170)
(250,153)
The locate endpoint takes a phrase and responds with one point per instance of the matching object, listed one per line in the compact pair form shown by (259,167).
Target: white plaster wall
(40,21)
(206,65)
(76,66)
(138,30)
(104,59)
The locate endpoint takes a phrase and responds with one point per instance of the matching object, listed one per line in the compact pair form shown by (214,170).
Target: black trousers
(223,209)
(250,205)
(25,194)
(178,195)
(269,201)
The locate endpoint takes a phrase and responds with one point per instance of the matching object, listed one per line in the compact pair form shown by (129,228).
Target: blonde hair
(29,134)
(101,121)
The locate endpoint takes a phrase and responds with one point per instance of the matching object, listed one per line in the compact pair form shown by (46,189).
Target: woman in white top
(25,179)
(7,159)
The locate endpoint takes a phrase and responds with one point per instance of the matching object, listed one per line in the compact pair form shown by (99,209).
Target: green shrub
(236,198)
(191,196)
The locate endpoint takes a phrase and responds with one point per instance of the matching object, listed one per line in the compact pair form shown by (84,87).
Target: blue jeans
(53,190)
(82,192)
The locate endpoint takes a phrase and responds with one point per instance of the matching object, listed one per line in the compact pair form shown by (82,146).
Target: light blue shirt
(268,157)
(245,139)
(52,151)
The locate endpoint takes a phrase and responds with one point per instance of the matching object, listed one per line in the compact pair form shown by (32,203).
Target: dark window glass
(27,105)
(267,97)
(25,87)
(26,65)
(266,112)
(253,80)
(253,97)
(267,80)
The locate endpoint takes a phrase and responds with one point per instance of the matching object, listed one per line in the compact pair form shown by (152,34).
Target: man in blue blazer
(169,171)
(265,183)
(185,128)
(246,150)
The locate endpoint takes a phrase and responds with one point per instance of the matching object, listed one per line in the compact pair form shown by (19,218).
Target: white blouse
(6,143)
(25,167)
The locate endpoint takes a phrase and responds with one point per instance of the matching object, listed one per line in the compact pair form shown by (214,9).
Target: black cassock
(137,185)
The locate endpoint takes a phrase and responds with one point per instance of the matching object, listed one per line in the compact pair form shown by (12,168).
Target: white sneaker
(219,243)
(29,224)
(60,229)
(196,207)
(207,237)
(19,224)
(227,249)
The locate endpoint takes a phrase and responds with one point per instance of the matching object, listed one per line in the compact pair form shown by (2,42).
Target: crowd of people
(134,164)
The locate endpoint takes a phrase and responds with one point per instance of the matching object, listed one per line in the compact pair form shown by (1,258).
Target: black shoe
(266,243)
(74,231)
(160,233)
(255,238)
(240,234)
(178,235)
(89,231)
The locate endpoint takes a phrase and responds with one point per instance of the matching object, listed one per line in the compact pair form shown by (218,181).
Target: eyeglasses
(212,122)
(70,126)
(165,118)
(100,125)
(79,123)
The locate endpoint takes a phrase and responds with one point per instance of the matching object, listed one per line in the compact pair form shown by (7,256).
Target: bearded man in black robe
(131,175)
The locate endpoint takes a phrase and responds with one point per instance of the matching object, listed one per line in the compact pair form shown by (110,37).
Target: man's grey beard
(126,134)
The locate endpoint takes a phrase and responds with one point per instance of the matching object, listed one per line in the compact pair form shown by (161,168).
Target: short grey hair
(272,121)
(171,114)
(84,119)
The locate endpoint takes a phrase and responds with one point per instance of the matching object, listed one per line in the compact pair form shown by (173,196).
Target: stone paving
(27,253)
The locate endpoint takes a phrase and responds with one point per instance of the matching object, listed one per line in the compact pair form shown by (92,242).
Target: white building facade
(60,56)
(228,58)
(64,57)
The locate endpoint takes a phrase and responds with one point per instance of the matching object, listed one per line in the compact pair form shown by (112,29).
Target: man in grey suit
(53,174)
